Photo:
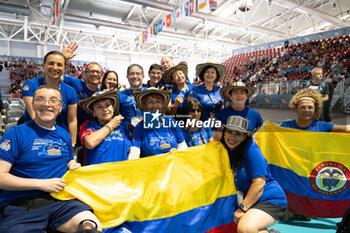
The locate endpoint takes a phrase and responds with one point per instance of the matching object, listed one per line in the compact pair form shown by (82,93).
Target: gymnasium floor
(316,225)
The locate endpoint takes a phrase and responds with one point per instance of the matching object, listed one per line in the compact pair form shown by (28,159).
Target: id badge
(135,120)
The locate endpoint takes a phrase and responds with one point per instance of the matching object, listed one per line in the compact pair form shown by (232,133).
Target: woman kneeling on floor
(264,202)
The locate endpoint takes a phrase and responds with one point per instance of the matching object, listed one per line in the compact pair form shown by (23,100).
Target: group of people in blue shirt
(141,121)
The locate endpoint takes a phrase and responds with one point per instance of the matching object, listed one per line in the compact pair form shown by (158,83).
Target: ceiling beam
(313,11)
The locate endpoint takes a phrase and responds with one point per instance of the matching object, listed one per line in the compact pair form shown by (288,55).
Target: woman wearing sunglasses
(195,134)
(263,200)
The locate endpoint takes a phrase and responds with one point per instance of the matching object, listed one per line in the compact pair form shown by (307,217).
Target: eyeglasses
(156,73)
(134,74)
(52,101)
(195,110)
(94,71)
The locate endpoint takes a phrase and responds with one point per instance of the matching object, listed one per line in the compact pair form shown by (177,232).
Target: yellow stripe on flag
(154,187)
(300,150)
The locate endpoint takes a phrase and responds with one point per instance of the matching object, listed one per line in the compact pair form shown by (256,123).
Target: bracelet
(108,127)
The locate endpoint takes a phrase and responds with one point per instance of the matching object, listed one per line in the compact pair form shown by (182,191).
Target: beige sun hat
(239,124)
(139,95)
(167,76)
(87,104)
(221,69)
(225,92)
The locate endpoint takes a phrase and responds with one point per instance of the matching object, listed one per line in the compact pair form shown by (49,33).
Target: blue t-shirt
(115,147)
(184,93)
(207,99)
(254,166)
(198,137)
(252,115)
(157,141)
(69,97)
(82,92)
(128,107)
(35,152)
(316,126)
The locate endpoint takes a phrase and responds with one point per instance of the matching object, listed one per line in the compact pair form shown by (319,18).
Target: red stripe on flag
(315,207)
(228,228)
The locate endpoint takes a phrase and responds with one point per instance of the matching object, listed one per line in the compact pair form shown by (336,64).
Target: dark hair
(47,87)
(55,53)
(103,85)
(201,74)
(154,66)
(236,156)
(92,63)
(194,103)
(135,65)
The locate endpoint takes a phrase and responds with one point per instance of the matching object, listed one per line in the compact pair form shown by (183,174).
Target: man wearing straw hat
(155,134)
(238,94)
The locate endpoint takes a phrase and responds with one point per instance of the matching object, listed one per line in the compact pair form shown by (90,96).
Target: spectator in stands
(264,202)
(155,75)
(53,69)
(307,103)
(208,93)
(85,89)
(238,94)
(316,83)
(194,134)
(2,106)
(109,81)
(128,106)
(107,138)
(33,158)
(165,135)
(176,76)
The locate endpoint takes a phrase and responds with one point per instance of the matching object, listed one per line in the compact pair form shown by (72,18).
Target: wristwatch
(243,207)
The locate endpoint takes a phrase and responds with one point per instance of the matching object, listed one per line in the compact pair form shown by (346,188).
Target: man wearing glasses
(85,89)
(128,107)
(33,158)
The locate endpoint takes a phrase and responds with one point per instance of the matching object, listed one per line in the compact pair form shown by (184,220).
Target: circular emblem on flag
(330,178)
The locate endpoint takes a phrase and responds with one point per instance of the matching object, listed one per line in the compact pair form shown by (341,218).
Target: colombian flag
(185,191)
(312,168)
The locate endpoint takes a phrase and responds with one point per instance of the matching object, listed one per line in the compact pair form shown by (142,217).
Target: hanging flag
(168,20)
(160,25)
(136,41)
(155,29)
(160,194)
(189,7)
(312,168)
(173,17)
(201,4)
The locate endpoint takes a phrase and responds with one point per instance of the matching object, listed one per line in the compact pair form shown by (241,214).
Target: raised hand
(68,52)
(115,121)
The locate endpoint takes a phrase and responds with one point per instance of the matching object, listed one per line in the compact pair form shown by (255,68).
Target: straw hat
(139,95)
(225,92)
(239,124)
(87,104)
(221,69)
(169,73)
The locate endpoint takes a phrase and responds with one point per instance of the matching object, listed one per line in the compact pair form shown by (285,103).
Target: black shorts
(276,211)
